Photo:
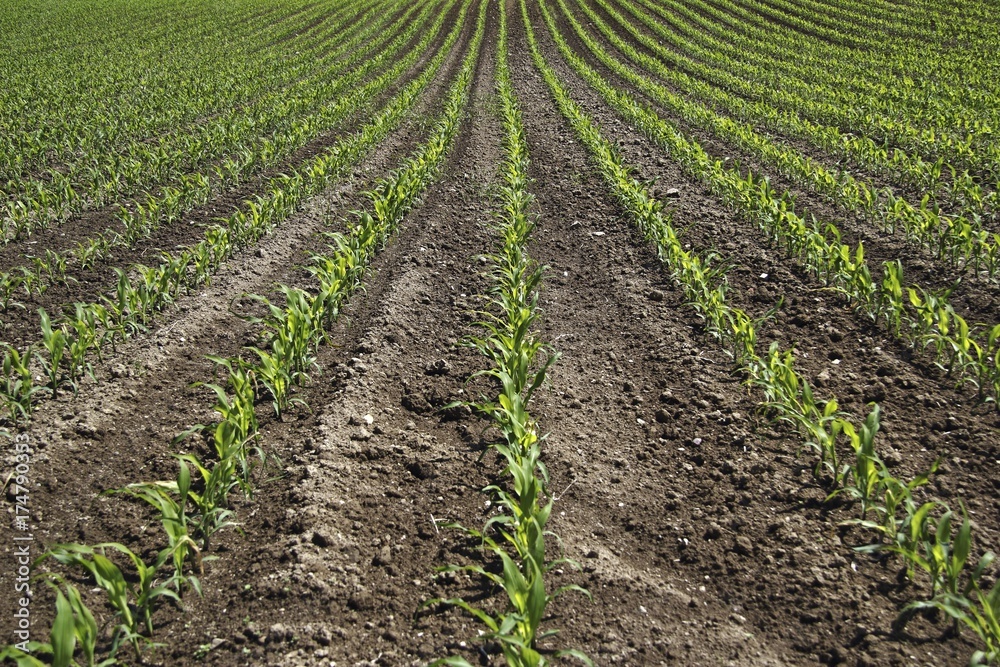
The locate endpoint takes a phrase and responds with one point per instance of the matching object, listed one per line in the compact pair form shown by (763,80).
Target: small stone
(892,457)
(277,633)
(360,601)
(669,398)
(86,430)
(384,556)
(421,469)
(438,367)
(362,435)
(672,193)
(743,546)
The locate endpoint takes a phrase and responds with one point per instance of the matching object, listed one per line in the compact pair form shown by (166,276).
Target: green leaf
(63,633)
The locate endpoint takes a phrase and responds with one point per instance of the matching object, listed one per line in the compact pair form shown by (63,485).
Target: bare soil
(699,530)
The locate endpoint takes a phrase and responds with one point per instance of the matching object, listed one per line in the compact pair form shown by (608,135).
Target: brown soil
(700,533)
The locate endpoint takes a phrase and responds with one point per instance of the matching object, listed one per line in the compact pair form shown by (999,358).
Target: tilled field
(690,490)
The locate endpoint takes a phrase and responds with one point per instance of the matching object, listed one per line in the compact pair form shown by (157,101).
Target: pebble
(438,367)
(743,546)
(277,633)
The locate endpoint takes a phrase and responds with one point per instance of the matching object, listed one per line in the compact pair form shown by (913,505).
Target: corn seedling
(984,621)
(73,626)
(290,331)
(862,480)
(8,285)
(82,335)
(170,499)
(237,428)
(133,602)
(17,387)
(54,342)
(93,251)
(278,382)
(211,502)
(896,497)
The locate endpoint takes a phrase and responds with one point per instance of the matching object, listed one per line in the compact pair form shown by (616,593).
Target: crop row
(176,159)
(950,182)
(776,55)
(958,239)
(926,101)
(515,537)
(63,351)
(921,532)
(924,319)
(66,102)
(140,219)
(195,506)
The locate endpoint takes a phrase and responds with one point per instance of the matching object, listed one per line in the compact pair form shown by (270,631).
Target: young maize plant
(9,283)
(17,388)
(175,519)
(236,432)
(74,625)
(922,540)
(135,597)
(515,352)
(861,480)
(290,335)
(54,342)
(983,620)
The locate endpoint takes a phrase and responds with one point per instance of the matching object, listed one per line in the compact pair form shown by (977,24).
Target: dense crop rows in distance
(464,305)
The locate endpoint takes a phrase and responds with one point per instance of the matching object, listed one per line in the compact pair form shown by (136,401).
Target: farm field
(368,332)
